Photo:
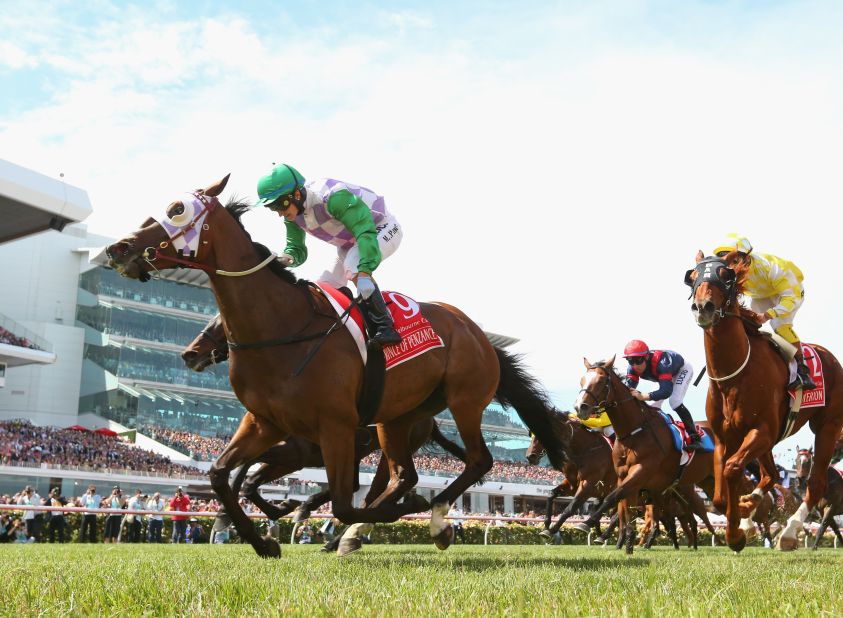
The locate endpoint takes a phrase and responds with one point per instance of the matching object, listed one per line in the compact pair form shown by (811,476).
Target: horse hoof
(301,514)
(628,551)
(444,539)
(738,545)
(787,543)
(582,527)
(349,546)
(269,548)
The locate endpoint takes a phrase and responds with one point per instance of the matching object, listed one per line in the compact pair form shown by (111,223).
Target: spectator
(156,522)
(195,534)
(113,520)
(26,498)
(8,528)
(456,516)
(91,500)
(179,502)
(135,503)
(58,523)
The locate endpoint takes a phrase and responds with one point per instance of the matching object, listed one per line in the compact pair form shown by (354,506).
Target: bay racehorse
(747,404)
(804,460)
(271,324)
(831,506)
(294,453)
(644,455)
(589,471)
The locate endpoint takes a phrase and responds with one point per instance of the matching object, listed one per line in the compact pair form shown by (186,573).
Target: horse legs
(467,415)
(719,498)
(222,519)
(824,444)
(613,523)
(351,536)
(253,437)
(836,529)
(584,492)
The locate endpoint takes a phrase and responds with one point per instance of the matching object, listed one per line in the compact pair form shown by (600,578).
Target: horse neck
(582,440)
(726,347)
(628,414)
(255,306)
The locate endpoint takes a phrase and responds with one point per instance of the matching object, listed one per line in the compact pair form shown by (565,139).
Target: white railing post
(588,538)
(486,532)
(293,534)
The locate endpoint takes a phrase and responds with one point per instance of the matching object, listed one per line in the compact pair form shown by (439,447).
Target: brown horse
(644,455)
(804,461)
(271,322)
(831,506)
(589,464)
(775,506)
(294,453)
(747,404)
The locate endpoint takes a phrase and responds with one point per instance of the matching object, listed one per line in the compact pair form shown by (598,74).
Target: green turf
(416,580)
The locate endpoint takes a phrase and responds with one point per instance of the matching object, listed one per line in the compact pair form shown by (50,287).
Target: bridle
(220,351)
(185,231)
(604,405)
(708,271)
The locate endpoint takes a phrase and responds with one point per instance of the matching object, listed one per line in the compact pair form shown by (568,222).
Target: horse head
(714,288)
(208,348)
(595,388)
(182,238)
(535,451)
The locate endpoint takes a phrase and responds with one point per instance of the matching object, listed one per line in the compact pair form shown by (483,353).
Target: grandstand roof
(31,202)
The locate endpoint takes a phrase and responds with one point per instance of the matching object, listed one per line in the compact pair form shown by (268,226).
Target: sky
(555,165)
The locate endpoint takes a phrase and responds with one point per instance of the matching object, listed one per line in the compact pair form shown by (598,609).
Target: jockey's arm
(295,243)
(355,215)
(789,290)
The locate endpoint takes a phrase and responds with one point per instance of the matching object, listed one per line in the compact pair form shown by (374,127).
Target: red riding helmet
(634,348)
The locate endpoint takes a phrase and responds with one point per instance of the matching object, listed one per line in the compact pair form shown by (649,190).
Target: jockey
(672,373)
(775,287)
(601,423)
(352,218)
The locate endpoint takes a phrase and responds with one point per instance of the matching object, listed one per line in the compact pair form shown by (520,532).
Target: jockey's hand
(286,259)
(762,318)
(365,285)
(639,395)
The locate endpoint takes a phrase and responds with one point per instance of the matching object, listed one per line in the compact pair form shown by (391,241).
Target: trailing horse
(644,454)
(271,322)
(295,453)
(831,506)
(747,404)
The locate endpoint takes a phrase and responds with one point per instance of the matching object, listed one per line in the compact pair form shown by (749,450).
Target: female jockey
(352,218)
(672,373)
(775,287)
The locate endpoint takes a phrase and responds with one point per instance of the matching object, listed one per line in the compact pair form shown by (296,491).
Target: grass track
(416,580)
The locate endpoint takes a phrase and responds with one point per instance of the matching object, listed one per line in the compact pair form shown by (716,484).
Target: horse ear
(587,364)
(215,189)
(610,362)
(700,256)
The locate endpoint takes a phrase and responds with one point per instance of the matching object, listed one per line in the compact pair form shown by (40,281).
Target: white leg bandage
(437,518)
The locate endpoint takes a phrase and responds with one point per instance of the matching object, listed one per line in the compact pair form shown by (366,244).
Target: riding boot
(690,427)
(380,319)
(803,377)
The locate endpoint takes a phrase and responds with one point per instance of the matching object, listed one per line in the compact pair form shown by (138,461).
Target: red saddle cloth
(417,332)
(686,439)
(816,397)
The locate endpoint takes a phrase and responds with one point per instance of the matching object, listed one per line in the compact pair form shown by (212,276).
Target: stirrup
(693,445)
(388,336)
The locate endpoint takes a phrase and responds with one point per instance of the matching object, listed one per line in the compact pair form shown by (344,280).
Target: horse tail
(521,391)
(452,447)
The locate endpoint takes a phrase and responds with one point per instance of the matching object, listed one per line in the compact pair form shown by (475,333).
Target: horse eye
(175,210)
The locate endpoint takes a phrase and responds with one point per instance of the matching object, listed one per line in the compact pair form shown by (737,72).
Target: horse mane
(236,207)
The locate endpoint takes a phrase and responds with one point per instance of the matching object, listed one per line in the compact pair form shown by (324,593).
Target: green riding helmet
(282,180)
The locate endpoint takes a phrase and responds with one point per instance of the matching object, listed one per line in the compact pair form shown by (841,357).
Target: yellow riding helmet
(734,242)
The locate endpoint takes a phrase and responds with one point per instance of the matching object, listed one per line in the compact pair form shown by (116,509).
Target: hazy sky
(555,165)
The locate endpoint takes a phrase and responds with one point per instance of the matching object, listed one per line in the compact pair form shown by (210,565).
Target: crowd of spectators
(29,526)
(22,443)
(10,338)
(503,471)
(196,446)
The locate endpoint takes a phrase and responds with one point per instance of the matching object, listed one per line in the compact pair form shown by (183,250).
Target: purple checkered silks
(316,219)
(187,243)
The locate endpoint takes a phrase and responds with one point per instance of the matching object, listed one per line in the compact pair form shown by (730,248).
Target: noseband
(708,271)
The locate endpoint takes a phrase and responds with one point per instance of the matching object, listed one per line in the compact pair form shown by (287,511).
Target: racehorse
(747,404)
(804,460)
(295,453)
(644,455)
(289,387)
(771,508)
(831,506)
(589,464)
(684,507)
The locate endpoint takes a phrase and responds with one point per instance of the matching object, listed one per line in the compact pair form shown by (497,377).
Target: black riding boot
(803,378)
(690,427)
(381,319)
